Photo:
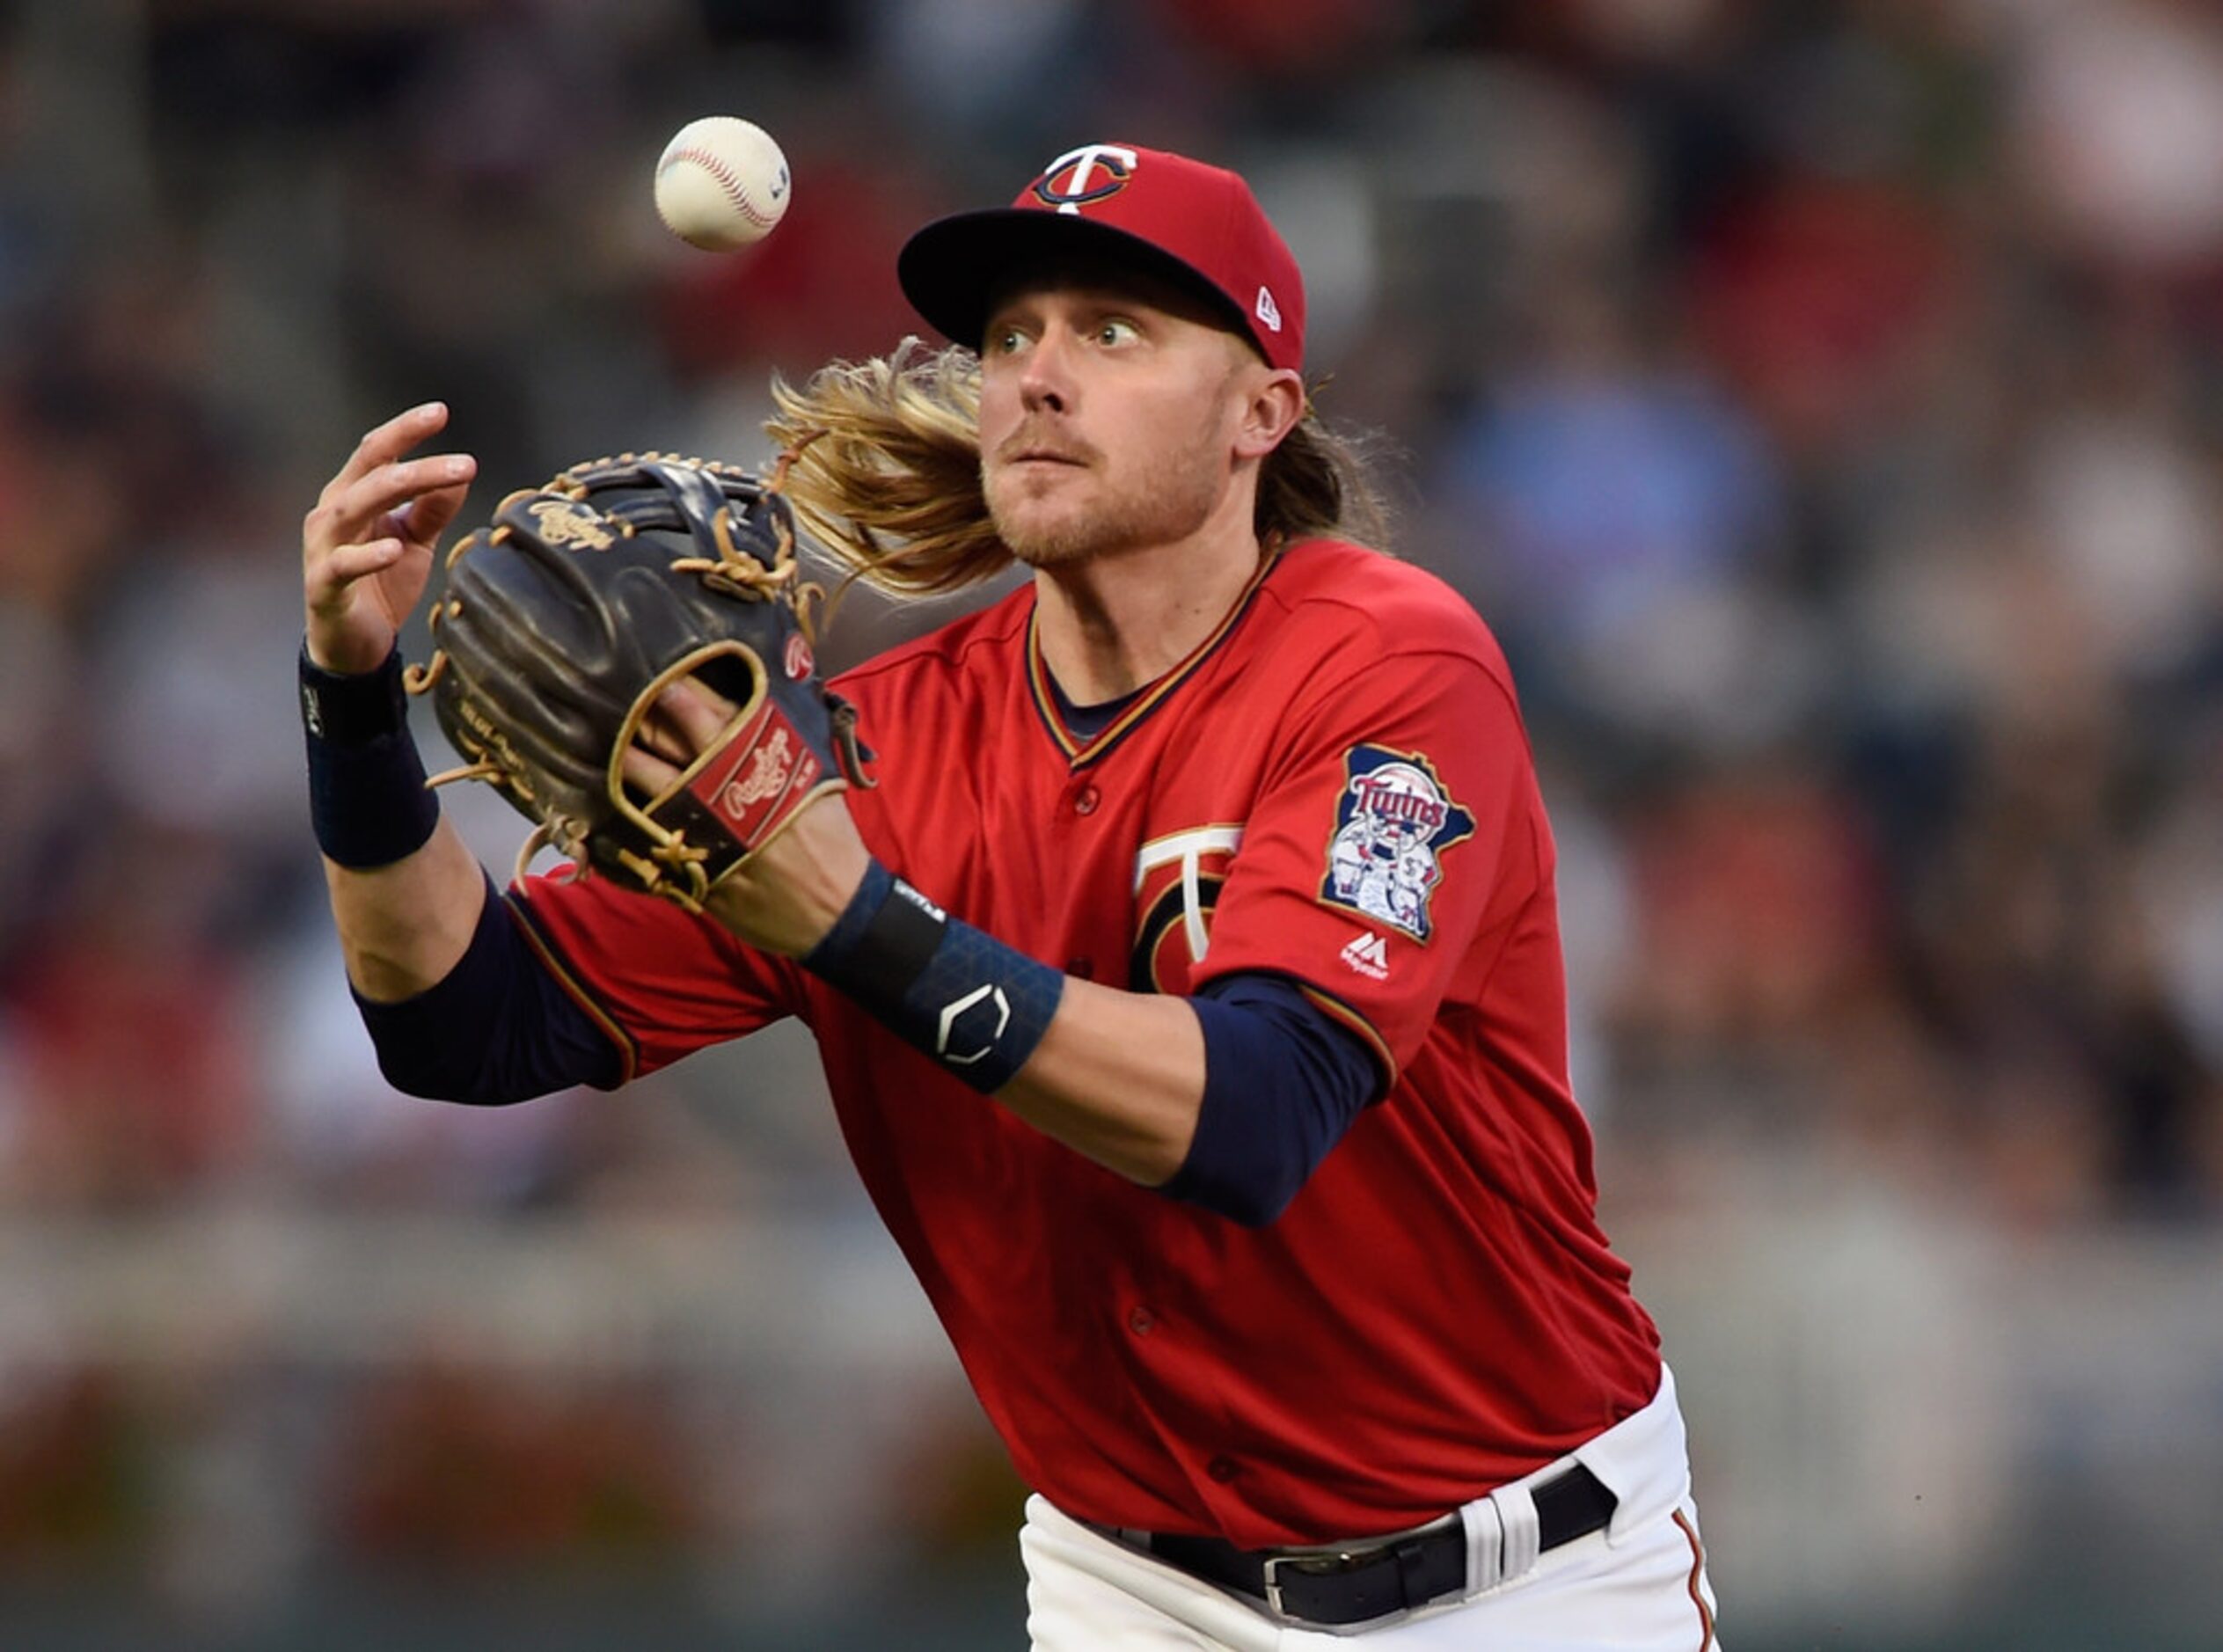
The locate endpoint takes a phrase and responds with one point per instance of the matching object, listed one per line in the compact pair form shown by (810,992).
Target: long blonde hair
(883,469)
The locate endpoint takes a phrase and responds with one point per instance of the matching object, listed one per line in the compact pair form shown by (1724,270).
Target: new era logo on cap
(1180,219)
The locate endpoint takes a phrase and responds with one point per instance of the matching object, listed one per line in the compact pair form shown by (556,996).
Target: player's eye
(1005,342)
(1117,332)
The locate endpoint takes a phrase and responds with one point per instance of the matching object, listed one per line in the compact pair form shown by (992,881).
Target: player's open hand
(366,549)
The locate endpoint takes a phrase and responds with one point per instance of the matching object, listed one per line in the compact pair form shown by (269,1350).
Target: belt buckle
(1324,1562)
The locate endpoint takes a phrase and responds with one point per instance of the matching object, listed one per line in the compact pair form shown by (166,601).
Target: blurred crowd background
(1821,401)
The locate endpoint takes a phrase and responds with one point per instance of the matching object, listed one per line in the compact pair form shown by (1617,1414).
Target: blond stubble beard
(1168,503)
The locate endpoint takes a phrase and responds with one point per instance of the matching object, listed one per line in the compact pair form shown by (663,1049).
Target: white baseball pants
(1638,1586)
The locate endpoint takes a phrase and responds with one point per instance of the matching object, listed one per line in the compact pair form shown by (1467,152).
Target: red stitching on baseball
(709,161)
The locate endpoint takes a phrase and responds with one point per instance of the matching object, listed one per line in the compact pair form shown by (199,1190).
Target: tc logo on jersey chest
(1393,820)
(1177,882)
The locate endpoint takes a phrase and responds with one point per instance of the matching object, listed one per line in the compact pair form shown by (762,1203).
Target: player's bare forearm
(366,551)
(402,927)
(1118,1077)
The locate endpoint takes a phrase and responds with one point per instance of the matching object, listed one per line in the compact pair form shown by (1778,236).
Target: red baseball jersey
(1335,787)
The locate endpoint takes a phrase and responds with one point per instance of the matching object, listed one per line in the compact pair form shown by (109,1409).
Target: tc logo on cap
(1096,171)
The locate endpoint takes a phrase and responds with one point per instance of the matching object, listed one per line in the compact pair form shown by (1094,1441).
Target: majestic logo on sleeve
(1392,822)
(1094,171)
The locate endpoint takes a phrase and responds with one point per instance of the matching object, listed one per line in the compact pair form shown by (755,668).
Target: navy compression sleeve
(1282,1083)
(496,1028)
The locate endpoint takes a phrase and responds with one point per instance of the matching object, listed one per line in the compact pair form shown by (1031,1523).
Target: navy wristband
(367,795)
(353,708)
(946,989)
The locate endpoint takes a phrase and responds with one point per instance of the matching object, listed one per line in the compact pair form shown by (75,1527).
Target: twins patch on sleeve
(1393,820)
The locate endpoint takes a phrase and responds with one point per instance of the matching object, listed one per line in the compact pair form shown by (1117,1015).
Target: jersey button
(1141,1321)
(1223,1469)
(1086,800)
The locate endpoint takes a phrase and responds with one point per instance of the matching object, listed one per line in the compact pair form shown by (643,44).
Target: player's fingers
(362,508)
(389,440)
(346,564)
(648,774)
(426,517)
(658,734)
(386,489)
(697,711)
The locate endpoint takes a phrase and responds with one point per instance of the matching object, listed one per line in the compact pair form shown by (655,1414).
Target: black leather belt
(1364,1581)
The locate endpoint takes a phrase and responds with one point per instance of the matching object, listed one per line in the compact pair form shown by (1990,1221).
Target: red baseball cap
(1197,225)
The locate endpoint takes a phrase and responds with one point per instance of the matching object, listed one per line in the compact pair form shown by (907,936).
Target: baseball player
(1188,986)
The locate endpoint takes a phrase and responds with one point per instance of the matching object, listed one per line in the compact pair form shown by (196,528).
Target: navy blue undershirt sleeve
(497,1028)
(1282,1083)
(1282,1080)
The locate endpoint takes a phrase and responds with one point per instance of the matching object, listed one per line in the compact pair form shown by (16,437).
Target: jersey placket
(1082,754)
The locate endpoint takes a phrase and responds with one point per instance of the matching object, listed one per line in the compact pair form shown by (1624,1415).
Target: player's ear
(1274,401)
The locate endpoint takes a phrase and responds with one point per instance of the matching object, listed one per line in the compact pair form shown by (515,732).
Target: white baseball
(721,183)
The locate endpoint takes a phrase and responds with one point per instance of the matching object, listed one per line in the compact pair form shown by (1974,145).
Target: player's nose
(1045,381)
